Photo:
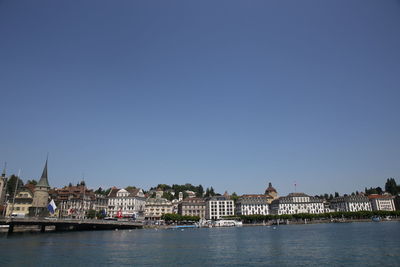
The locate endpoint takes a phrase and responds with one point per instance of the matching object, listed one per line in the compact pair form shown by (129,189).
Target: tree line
(321,216)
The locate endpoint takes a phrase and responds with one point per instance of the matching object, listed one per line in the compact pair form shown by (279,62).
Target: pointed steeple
(44,180)
(3,174)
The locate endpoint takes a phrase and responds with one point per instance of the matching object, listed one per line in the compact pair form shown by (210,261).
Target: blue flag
(52,206)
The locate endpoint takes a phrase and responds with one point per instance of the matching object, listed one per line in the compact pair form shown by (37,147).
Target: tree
(91,214)
(391,186)
(212,193)
(234,197)
(199,191)
(336,194)
(168,195)
(130,188)
(11,183)
(100,215)
(207,192)
(33,181)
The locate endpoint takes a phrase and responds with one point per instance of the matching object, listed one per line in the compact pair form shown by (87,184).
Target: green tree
(168,195)
(91,214)
(234,197)
(199,191)
(100,215)
(130,188)
(391,186)
(33,181)
(12,182)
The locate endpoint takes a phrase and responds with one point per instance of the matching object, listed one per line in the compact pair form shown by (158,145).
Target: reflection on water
(352,244)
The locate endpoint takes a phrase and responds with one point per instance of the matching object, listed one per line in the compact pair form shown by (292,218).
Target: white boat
(227,223)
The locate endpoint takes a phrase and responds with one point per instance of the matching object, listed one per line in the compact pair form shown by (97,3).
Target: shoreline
(30,229)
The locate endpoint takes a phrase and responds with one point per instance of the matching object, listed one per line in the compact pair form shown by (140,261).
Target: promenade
(44,224)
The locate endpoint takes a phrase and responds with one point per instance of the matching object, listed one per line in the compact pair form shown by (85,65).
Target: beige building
(22,203)
(156,207)
(192,206)
(271,193)
(41,196)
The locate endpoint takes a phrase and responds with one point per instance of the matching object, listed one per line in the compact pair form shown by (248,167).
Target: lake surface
(343,244)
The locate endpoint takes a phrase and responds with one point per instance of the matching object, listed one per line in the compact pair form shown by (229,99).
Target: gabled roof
(376,196)
(133,192)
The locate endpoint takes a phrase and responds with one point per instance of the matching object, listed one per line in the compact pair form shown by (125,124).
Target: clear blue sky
(233,94)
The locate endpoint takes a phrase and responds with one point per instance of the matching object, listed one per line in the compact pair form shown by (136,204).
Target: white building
(382,202)
(128,203)
(219,206)
(351,203)
(295,203)
(253,204)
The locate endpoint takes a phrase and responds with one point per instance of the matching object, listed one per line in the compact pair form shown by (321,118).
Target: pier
(68,224)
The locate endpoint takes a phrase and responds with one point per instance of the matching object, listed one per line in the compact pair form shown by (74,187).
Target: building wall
(296,203)
(127,205)
(75,208)
(253,205)
(154,211)
(192,209)
(215,208)
(382,204)
(22,203)
(351,204)
(252,209)
(40,197)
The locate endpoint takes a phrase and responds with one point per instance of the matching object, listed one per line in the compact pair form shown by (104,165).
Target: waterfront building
(219,206)
(397,202)
(175,204)
(351,203)
(126,202)
(382,202)
(253,204)
(100,203)
(192,206)
(295,203)
(22,202)
(41,196)
(74,201)
(156,207)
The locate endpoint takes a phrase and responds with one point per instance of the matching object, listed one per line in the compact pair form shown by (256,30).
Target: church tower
(3,185)
(41,196)
(271,191)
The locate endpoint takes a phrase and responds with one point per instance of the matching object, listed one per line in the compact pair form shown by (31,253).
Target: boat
(227,223)
(376,219)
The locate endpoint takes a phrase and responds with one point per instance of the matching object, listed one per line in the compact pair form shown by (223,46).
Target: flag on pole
(52,206)
(119,214)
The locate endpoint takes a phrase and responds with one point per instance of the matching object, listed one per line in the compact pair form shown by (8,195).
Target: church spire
(44,179)
(3,174)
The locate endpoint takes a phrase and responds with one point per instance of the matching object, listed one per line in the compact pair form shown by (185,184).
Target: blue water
(346,244)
